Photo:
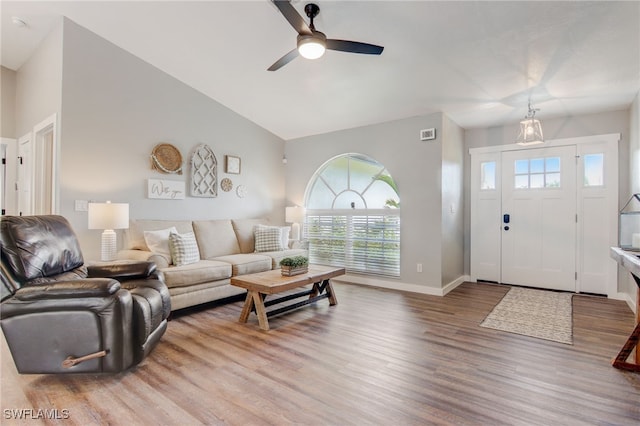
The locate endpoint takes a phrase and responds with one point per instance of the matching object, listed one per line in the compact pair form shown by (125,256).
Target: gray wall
(39,84)
(8,106)
(452,202)
(116,108)
(415,166)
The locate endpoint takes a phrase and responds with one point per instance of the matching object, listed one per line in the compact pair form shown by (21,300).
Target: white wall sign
(166,189)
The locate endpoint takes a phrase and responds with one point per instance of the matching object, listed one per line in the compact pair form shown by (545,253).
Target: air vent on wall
(427,134)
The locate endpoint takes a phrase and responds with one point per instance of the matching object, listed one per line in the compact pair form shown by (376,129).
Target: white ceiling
(478,62)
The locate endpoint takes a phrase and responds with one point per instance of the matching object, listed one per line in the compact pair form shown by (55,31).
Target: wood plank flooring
(380,357)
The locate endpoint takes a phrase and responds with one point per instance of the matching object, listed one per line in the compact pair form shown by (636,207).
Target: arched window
(353,216)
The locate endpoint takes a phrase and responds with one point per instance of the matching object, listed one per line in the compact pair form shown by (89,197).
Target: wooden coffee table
(263,284)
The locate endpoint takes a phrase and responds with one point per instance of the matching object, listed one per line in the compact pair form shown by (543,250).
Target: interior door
(538,235)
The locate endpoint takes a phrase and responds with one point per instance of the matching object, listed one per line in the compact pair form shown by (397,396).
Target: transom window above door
(537,173)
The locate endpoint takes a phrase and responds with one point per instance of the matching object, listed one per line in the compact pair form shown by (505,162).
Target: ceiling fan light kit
(311,43)
(312,46)
(530,130)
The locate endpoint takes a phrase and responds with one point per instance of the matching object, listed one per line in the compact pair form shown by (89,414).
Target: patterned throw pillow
(184,248)
(284,233)
(268,239)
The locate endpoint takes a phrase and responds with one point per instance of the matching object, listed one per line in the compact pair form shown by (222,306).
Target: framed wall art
(204,172)
(232,164)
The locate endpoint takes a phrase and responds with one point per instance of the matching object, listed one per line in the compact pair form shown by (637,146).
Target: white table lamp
(108,216)
(294,215)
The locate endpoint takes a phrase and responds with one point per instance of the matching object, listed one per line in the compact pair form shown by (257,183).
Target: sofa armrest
(76,289)
(299,244)
(143,255)
(122,270)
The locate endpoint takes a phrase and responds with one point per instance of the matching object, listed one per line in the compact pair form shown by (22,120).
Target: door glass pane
(594,170)
(522,181)
(537,180)
(552,180)
(488,175)
(521,167)
(537,165)
(552,164)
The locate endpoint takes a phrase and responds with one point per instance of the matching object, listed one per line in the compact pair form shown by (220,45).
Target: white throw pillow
(184,248)
(158,241)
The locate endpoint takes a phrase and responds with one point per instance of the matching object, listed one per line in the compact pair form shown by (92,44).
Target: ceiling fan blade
(354,47)
(284,60)
(291,15)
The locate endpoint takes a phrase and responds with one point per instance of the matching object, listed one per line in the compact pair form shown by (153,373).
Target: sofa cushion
(196,273)
(134,236)
(277,256)
(215,238)
(243,264)
(244,229)
(184,248)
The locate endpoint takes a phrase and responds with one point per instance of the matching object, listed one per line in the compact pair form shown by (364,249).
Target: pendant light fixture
(530,129)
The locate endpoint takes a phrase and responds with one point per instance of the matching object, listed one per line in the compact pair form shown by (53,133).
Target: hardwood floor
(379,357)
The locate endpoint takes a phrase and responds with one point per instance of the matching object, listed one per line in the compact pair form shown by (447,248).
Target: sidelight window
(594,170)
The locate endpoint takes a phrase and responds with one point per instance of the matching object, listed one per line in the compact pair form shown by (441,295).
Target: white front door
(539,218)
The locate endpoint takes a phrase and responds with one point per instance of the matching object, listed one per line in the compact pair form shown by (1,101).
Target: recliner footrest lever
(71,361)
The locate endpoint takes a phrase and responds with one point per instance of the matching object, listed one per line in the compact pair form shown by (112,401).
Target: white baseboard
(455,283)
(397,285)
(627,298)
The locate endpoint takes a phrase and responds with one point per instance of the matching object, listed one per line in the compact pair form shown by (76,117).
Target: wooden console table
(262,284)
(631,262)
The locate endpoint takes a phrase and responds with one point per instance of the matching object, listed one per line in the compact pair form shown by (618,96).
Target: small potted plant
(294,265)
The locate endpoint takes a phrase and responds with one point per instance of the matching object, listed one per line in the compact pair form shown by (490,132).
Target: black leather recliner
(59,315)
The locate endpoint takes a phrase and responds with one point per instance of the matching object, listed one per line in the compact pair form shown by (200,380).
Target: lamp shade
(293,214)
(108,215)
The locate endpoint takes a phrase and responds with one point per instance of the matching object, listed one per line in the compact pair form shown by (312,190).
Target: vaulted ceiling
(478,62)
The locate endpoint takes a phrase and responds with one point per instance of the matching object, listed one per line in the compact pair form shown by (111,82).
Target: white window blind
(362,240)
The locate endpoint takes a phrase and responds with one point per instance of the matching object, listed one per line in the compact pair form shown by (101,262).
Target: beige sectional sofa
(226,248)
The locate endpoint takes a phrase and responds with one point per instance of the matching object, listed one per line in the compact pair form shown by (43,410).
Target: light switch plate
(82,205)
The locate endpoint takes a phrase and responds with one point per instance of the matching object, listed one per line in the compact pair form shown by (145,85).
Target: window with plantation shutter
(353,216)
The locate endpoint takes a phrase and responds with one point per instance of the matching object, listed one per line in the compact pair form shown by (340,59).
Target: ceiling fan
(312,43)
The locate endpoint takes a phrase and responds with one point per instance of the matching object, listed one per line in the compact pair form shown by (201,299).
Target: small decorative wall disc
(226,184)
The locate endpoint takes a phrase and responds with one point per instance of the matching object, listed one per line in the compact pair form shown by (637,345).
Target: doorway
(37,170)
(546,217)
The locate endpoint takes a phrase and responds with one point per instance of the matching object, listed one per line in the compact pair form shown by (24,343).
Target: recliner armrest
(76,289)
(123,270)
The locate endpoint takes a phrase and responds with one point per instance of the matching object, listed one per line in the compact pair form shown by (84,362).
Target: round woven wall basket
(166,158)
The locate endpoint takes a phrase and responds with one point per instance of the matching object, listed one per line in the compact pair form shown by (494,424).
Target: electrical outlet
(419,267)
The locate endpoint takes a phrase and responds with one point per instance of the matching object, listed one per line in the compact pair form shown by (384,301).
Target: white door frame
(24,175)
(583,144)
